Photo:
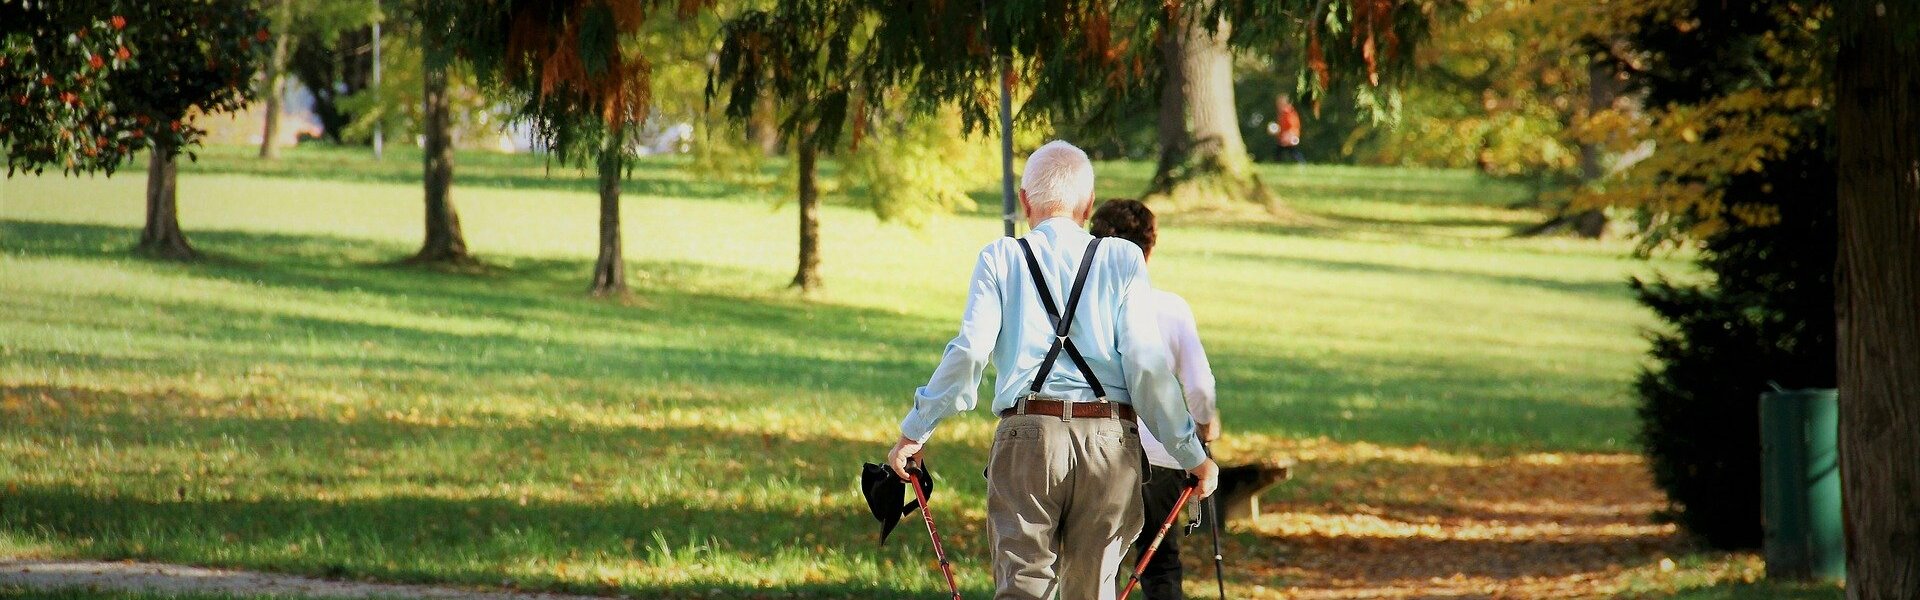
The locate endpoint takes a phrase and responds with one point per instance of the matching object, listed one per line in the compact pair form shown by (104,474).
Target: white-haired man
(1069,322)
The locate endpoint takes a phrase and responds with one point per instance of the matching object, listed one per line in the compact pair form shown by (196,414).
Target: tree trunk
(610,271)
(444,240)
(807,278)
(276,81)
(1203,160)
(162,236)
(763,128)
(1602,89)
(1879,304)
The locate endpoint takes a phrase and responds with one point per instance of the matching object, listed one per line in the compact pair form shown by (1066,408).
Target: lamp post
(379,126)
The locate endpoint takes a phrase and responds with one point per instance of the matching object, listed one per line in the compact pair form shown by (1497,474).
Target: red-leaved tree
(88,83)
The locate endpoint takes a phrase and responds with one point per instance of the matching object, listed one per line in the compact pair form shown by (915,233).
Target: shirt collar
(1057,224)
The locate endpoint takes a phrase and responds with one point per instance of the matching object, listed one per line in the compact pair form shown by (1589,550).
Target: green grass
(299,403)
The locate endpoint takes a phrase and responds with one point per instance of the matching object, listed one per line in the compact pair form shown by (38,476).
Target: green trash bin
(1800,481)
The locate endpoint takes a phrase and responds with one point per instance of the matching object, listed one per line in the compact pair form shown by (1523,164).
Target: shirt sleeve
(1196,374)
(1149,366)
(955,385)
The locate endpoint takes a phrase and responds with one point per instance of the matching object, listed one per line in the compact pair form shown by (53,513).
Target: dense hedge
(1765,318)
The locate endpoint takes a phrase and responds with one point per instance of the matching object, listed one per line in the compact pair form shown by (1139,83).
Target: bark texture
(1877,117)
(610,270)
(276,81)
(444,240)
(807,277)
(162,236)
(1203,160)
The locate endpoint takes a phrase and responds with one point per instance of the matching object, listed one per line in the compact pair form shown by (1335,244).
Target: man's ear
(1026,208)
(1086,210)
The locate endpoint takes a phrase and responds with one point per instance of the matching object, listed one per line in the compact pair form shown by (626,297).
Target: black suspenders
(1062,322)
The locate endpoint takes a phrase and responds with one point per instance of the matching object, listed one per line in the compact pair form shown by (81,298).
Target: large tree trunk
(1877,113)
(1203,160)
(1602,88)
(276,80)
(807,278)
(610,271)
(444,240)
(162,236)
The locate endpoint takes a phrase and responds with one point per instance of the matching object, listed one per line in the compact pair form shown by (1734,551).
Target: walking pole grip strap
(1063,323)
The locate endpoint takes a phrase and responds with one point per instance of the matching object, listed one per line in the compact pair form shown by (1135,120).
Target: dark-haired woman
(1133,221)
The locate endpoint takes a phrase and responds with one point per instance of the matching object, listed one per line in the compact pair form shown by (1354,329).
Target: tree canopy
(89,82)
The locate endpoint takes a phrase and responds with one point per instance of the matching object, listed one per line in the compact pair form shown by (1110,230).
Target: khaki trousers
(1063,505)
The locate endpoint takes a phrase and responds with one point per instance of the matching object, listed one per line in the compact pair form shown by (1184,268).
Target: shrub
(1766,317)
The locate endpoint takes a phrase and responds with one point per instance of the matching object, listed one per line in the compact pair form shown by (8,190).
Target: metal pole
(379,127)
(1007,203)
(1212,508)
(1008,207)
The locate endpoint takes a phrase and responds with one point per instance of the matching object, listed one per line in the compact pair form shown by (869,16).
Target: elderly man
(1070,322)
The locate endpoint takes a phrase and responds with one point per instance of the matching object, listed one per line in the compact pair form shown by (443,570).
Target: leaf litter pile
(1366,521)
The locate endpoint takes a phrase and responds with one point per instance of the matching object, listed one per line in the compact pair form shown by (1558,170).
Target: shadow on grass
(329,313)
(490,542)
(528,503)
(667,176)
(1616,289)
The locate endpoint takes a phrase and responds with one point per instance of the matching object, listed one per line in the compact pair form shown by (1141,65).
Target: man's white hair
(1058,178)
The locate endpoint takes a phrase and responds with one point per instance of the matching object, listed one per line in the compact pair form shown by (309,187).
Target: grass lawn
(298,403)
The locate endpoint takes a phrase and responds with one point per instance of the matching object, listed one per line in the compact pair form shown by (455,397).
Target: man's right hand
(1209,475)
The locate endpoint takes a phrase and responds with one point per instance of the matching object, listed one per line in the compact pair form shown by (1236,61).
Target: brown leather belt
(1081,410)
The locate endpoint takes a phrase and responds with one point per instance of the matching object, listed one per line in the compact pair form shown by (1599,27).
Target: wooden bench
(1241,485)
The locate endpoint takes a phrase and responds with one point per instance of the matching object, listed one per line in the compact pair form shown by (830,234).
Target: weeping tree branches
(568,70)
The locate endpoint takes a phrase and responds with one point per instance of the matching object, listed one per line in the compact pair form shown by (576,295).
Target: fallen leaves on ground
(1414,523)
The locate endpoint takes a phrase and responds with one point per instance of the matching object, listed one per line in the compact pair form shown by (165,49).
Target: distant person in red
(1286,129)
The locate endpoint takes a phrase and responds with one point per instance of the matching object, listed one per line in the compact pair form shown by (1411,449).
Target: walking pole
(1193,483)
(1212,508)
(926,513)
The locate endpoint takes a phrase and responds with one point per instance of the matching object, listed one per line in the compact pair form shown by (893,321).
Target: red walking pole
(926,513)
(1174,515)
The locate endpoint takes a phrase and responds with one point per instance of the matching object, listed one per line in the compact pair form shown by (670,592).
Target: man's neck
(1034,222)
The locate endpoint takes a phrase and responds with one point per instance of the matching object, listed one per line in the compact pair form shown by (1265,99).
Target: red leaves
(1317,59)
(123,53)
(94,60)
(263,35)
(118,22)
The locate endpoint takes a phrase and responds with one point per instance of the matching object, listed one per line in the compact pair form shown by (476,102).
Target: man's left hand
(902,450)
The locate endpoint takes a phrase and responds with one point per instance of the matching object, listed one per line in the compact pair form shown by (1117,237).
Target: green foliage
(1506,88)
(1765,319)
(1729,88)
(331,53)
(920,167)
(87,83)
(397,103)
(568,69)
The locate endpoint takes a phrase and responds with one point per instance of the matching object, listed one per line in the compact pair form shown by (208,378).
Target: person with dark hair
(1132,221)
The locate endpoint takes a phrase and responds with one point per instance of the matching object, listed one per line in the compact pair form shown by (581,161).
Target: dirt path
(174,579)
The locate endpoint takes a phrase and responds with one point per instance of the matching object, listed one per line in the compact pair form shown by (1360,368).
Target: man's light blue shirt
(1116,327)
